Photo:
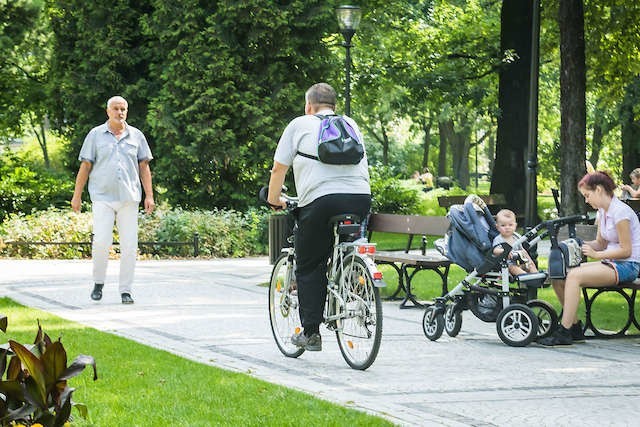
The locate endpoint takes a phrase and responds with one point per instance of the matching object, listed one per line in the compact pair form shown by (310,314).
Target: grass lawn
(141,386)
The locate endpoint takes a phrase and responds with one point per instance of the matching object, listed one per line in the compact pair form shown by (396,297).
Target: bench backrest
(409,224)
(491,199)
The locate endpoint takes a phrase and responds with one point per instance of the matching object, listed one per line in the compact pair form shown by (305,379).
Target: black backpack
(338,143)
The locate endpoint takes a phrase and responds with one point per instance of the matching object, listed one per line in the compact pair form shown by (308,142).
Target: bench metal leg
(401,286)
(409,296)
(588,302)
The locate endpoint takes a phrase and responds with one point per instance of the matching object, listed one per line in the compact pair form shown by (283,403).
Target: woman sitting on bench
(616,249)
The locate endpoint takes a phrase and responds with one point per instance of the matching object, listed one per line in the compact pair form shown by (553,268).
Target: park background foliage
(213,83)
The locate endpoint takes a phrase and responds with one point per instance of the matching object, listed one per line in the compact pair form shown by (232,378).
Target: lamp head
(348,19)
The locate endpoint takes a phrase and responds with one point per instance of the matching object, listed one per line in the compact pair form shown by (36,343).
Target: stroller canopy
(470,236)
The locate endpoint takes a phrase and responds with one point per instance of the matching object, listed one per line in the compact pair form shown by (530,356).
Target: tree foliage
(231,76)
(213,83)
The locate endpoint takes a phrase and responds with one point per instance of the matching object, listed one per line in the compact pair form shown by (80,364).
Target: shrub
(51,225)
(388,193)
(35,390)
(222,233)
(28,188)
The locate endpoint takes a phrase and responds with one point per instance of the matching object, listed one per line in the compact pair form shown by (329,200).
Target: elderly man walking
(115,160)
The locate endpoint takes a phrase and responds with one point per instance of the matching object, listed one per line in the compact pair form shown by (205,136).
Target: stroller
(488,290)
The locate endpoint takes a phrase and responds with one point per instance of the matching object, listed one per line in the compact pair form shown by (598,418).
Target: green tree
(232,75)
(99,51)
(25,47)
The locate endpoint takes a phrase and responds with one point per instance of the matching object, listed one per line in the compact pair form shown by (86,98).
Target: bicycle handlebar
(292,202)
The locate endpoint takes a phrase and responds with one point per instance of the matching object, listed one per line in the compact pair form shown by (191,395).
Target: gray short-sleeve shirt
(313,178)
(115,174)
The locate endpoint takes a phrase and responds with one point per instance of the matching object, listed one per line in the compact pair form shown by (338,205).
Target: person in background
(114,158)
(616,251)
(633,190)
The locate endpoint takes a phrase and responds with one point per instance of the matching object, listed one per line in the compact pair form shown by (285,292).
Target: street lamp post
(348,21)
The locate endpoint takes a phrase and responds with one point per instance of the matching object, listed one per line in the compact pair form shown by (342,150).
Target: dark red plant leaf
(3,322)
(78,365)
(54,360)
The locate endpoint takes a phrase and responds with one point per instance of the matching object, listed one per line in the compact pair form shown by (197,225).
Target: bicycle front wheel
(283,306)
(359,328)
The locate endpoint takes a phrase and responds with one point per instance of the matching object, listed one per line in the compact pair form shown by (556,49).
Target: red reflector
(367,249)
(347,222)
(377,275)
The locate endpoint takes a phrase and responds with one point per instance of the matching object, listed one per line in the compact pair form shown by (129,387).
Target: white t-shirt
(313,178)
(619,211)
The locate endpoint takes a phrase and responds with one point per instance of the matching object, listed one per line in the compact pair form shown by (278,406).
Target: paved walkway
(215,312)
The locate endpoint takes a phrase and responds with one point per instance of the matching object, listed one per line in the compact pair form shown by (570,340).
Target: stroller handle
(558,222)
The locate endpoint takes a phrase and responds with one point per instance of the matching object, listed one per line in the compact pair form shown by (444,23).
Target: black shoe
(561,336)
(312,343)
(577,333)
(126,298)
(96,295)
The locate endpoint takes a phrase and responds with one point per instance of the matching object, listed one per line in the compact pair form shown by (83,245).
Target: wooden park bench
(406,259)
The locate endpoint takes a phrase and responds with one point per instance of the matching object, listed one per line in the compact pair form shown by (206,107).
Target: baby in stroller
(489,290)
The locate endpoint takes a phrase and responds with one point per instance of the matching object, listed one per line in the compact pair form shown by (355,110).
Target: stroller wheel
(452,320)
(517,325)
(547,317)
(432,323)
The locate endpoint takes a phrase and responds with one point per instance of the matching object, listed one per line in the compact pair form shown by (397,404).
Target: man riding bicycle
(324,190)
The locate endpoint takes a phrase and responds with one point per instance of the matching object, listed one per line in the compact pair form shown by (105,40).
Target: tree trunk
(630,129)
(572,104)
(385,144)
(426,128)
(509,171)
(491,152)
(596,139)
(40,130)
(442,152)
(460,142)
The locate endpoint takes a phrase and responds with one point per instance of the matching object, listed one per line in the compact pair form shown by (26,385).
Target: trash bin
(280,228)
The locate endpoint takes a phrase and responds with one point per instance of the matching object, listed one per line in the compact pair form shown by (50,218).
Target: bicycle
(353,309)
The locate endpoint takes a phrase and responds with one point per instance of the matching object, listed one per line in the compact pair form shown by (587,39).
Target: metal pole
(347,66)
(531,202)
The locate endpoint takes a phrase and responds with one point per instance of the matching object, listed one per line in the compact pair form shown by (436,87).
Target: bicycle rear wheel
(359,331)
(283,306)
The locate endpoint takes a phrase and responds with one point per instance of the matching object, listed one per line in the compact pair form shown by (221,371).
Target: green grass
(142,386)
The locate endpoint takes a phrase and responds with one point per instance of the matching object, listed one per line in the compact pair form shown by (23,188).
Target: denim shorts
(626,271)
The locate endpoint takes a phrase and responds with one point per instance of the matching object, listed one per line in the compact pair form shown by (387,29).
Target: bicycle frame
(343,251)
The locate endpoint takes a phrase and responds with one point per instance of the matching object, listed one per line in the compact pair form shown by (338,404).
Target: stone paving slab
(214,311)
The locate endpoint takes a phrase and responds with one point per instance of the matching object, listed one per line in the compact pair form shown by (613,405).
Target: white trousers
(125,215)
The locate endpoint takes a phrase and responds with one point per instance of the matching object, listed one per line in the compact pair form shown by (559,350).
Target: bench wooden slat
(409,224)
(401,261)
